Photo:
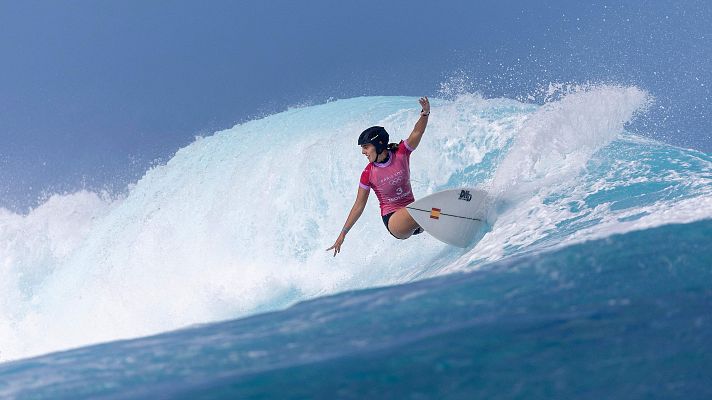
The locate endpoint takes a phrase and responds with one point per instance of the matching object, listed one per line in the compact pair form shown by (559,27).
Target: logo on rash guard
(392,178)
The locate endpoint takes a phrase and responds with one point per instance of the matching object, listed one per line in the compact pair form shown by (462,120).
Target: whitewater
(236,224)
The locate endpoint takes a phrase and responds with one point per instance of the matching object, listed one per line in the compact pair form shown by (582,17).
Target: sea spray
(237,223)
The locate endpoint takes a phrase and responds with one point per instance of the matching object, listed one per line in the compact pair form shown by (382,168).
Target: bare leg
(402,224)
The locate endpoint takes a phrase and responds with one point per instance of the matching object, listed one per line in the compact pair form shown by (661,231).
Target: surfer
(388,174)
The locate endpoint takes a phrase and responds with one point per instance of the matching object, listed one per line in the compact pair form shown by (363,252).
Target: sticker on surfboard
(454,216)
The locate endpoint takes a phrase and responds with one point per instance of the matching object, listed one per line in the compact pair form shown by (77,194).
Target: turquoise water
(593,282)
(606,318)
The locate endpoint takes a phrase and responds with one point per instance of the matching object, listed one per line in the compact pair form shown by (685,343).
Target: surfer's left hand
(425,104)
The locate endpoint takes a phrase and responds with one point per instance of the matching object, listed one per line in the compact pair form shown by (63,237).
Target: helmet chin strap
(385,159)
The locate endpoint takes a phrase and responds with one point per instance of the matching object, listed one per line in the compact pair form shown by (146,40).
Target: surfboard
(455,216)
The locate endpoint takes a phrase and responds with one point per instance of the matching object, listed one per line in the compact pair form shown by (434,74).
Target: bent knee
(402,226)
(402,235)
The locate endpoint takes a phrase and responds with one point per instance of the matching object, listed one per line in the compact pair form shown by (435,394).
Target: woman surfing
(388,174)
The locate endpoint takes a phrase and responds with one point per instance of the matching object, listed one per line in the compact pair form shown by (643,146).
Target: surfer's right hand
(337,245)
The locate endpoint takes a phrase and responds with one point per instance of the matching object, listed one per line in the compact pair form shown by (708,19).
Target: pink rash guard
(390,180)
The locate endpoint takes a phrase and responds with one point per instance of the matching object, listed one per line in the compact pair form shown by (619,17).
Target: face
(369,151)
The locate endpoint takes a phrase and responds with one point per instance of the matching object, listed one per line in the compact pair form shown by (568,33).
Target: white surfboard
(455,216)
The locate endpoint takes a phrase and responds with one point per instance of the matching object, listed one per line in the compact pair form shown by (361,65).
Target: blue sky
(93,92)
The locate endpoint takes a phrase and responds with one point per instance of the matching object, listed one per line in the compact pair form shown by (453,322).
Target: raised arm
(356,211)
(417,134)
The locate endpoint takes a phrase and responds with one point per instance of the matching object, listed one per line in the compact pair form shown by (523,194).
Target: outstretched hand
(425,104)
(337,245)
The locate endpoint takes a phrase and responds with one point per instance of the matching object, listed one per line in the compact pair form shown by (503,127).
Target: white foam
(238,222)
(559,138)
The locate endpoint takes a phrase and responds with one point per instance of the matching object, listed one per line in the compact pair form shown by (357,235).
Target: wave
(237,223)
(610,308)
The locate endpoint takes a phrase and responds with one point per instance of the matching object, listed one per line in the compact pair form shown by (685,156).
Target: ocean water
(603,319)
(594,280)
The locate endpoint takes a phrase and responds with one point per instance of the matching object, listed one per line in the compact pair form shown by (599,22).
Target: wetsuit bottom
(388,216)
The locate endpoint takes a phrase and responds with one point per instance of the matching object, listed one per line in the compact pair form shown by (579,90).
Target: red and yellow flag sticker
(435,213)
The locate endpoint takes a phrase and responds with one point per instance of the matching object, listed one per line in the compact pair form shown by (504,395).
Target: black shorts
(388,216)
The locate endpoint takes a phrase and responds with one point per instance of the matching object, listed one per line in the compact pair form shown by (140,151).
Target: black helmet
(377,136)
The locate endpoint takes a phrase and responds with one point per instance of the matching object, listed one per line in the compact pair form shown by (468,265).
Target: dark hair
(392,146)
